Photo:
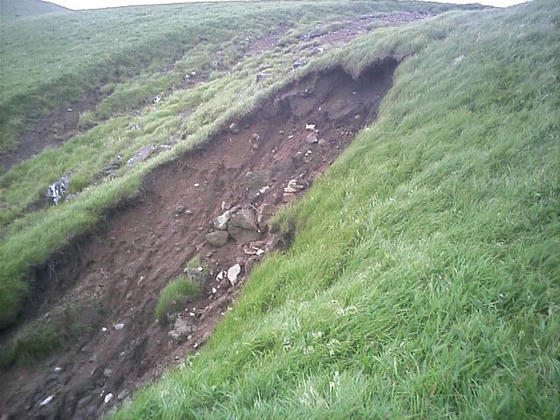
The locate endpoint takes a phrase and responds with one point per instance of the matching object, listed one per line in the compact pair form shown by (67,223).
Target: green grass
(175,296)
(35,342)
(434,289)
(29,238)
(49,60)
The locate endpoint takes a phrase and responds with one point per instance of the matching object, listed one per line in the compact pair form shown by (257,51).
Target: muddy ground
(116,275)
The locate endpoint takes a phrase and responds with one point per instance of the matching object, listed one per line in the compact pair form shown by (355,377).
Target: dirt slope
(115,276)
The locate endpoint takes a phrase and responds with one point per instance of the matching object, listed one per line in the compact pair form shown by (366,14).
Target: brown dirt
(116,275)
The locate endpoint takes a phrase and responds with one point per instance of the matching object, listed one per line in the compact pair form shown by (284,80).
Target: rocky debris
(316,33)
(300,62)
(107,372)
(46,401)
(266,211)
(181,330)
(221,222)
(57,369)
(157,99)
(293,186)
(146,152)
(108,398)
(182,211)
(243,226)
(233,273)
(217,238)
(57,190)
(311,138)
(256,182)
(118,327)
(111,169)
(310,127)
(234,128)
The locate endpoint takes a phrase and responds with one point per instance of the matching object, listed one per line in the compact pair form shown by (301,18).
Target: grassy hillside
(10,10)
(434,289)
(51,60)
(126,119)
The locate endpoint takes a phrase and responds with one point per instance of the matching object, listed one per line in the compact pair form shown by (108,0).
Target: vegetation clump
(175,296)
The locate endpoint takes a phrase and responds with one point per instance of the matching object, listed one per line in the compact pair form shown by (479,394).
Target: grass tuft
(175,296)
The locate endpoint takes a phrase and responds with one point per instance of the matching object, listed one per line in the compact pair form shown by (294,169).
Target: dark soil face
(116,275)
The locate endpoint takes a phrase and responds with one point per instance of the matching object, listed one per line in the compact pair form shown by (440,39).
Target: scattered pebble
(118,327)
(108,397)
(46,401)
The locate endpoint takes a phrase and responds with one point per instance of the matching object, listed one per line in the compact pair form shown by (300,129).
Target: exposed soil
(116,275)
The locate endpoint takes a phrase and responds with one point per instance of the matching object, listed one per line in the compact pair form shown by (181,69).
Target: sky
(99,4)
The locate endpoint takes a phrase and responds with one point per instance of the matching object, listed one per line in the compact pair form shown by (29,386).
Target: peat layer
(116,275)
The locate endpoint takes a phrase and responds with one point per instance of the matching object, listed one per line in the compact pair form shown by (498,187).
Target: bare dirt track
(116,275)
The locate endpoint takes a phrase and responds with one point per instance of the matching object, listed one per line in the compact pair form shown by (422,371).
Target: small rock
(107,372)
(317,50)
(293,186)
(233,273)
(311,138)
(56,191)
(123,394)
(157,99)
(299,63)
(57,369)
(46,401)
(108,398)
(118,327)
(310,127)
(234,128)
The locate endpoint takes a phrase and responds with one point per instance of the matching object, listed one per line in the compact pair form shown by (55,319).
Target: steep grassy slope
(185,115)
(424,276)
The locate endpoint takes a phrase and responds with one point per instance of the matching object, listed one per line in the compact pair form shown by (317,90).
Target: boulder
(181,330)
(221,221)
(243,226)
(218,238)
(255,181)
(266,211)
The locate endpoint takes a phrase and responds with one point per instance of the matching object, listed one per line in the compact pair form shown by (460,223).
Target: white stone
(118,327)
(46,401)
(108,397)
(232,273)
